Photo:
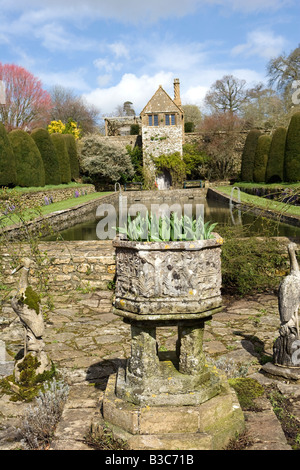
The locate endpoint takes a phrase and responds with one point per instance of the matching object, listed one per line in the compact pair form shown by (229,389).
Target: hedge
(29,164)
(292,150)
(8,175)
(63,157)
(275,166)
(48,153)
(73,155)
(248,155)
(261,158)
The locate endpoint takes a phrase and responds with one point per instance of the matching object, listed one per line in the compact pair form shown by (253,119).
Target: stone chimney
(177,98)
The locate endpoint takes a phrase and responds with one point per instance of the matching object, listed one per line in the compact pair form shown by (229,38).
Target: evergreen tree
(248,155)
(73,155)
(275,166)
(29,163)
(63,157)
(48,153)
(8,175)
(292,150)
(261,158)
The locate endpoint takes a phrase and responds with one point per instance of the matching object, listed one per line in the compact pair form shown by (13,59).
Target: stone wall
(162,140)
(70,266)
(61,220)
(57,195)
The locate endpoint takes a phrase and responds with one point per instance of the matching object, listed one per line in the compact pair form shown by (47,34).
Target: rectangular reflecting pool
(214,211)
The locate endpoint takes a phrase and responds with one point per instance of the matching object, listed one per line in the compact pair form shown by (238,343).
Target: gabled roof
(161,102)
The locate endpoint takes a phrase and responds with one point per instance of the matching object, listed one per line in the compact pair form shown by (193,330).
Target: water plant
(151,228)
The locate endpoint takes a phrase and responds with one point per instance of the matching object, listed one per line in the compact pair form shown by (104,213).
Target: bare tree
(67,105)
(227,95)
(283,71)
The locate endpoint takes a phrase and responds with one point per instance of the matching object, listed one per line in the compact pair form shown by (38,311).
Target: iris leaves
(156,229)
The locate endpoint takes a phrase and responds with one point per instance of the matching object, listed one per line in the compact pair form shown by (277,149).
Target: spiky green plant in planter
(151,228)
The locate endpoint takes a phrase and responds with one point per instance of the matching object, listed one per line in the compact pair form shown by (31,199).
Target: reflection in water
(213,211)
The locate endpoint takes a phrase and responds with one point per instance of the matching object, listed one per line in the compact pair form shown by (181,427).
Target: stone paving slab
(88,344)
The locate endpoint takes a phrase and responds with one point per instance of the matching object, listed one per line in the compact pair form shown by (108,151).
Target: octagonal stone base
(206,426)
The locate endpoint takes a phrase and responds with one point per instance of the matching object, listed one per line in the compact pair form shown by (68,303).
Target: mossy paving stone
(94,363)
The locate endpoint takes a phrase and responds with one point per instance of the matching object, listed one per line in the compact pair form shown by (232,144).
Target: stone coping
(169,245)
(268,213)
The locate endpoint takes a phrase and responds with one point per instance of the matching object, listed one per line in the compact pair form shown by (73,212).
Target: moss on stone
(247,391)
(32,299)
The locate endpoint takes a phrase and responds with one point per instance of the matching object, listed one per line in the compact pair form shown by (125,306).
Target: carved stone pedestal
(170,400)
(173,399)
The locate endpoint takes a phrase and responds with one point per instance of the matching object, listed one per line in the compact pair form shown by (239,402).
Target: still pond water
(214,211)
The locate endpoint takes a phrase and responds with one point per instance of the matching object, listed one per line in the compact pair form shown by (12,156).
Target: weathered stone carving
(27,308)
(287,345)
(158,392)
(178,277)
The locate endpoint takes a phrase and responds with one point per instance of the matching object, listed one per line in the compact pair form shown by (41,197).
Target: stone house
(162,121)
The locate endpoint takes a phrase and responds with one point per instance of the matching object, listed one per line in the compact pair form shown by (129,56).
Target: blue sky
(121,50)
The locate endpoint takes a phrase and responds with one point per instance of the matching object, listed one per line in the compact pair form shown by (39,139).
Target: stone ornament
(174,278)
(32,319)
(287,346)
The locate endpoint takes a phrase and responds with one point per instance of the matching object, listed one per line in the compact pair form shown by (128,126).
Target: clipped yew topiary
(48,153)
(261,158)
(73,155)
(292,150)
(63,157)
(29,164)
(248,155)
(8,175)
(275,166)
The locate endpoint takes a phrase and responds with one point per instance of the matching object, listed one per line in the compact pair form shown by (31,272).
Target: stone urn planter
(168,280)
(169,399)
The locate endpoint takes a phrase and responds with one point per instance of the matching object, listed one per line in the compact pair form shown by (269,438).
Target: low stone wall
(60,220)
(282,217)
(57,195)
(70,266)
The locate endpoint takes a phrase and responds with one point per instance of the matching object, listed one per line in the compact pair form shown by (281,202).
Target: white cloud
(261,43)
(138,90)
(107,65)
(134,10)
(119,50)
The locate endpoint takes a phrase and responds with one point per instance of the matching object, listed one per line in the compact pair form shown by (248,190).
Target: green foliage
(261,158)
(189,127)
(104,161)
(134,129)
(173,228)
(175,165)
(73,155)
(136,155)
(292,150)
(63,157)
(29,163)
(275,165)
(248,155)
(251,265)
(48,153)
(247,390)
(8,175)
(194,160)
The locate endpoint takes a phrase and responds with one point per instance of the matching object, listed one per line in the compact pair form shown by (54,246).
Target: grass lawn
(56,206)
(49,187)
(293,186)
(262,202)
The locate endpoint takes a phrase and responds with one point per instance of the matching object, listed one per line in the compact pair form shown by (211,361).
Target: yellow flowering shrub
(58,127)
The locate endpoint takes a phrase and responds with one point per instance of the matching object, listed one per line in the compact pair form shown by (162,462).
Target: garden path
(88,343)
